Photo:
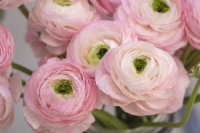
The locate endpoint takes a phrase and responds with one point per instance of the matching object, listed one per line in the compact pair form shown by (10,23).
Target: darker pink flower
(59,98)
(142,79)
(9,4)
(106,7)
(6,49)
(9,93)
(192,19)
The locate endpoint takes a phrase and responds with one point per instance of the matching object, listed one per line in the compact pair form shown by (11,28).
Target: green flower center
(160,6)
(101,52)
(140,65)
(63,87)
(97,52)
(62,2)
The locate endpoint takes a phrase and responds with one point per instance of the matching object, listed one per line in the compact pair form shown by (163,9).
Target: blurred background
(16,23)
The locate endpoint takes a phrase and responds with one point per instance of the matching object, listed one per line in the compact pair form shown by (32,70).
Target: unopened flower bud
(196,71)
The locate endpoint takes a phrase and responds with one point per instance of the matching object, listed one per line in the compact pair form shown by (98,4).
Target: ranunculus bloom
(9,4)
(59,20)
(38,47)
(59,98)
(106,7)
(6,105)
(142,79)
(192,18)
(6,49)
(9,93)
(88,47)
(157,21)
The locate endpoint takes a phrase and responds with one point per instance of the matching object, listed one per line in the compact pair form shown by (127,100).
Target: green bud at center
(62,2)
(160,6)
(97,52)
(63,87)
(140,65)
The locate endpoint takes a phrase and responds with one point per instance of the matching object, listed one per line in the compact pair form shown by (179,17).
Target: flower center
(160,6)
(101,52)
(97,52)
(140,65)
(62,2)
(63,87)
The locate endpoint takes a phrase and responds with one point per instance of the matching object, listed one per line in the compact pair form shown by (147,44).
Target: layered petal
(57,23)
(59,97)
(160,22)
(6,49)
(88,47)
(142,79)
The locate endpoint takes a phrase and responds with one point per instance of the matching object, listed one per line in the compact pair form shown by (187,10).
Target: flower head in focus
(142,79)
(59,98)
(58,21)
(160,22)
(90,45)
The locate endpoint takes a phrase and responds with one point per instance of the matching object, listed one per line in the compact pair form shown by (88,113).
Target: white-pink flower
(6,49)
(59,98)
(192,19)
(157,21)
(9,4)
(142,79)
(88,47)
(106,7)
(58,21)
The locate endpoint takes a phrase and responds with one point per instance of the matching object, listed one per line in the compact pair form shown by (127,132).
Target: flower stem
(24,10)
(22,68)
(186,53)
(108,120)
(186,99)
(185,117)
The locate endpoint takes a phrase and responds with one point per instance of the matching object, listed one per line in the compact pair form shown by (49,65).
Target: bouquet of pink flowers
(133,55)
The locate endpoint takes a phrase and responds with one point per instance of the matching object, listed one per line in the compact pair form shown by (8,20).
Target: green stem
(108,120)
(22,68)
(193,62)
(186,53)
(193,55)
(186,99)
(145,119)
(185,117)
(24,10)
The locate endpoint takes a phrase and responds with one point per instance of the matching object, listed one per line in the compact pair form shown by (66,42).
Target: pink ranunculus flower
(88,47)
(6,49)
(10,92)
(106,7)
(58,21)
(142,79)
(39,48)
(160,22)
(9,4)
(59,97)
(192,19)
